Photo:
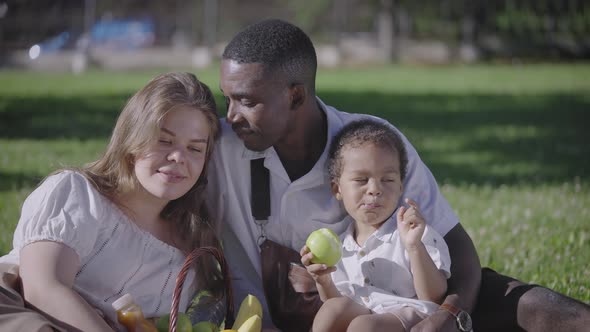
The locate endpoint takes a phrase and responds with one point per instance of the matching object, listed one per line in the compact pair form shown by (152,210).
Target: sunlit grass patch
(509,146)
(539,234)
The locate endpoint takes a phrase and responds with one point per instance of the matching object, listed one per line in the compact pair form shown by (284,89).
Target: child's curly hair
(358,133)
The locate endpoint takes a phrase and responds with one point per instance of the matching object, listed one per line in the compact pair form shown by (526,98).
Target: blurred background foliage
(541,29)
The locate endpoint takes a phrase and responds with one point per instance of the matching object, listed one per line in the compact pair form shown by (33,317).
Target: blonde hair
(136,129)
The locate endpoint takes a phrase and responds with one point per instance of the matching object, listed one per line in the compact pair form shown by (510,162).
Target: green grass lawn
(509,146)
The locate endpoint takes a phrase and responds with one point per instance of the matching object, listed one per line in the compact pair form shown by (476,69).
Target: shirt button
(362,253)
(367,280)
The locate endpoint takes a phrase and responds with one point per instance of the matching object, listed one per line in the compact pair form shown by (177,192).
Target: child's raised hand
(410,224)
(319,272)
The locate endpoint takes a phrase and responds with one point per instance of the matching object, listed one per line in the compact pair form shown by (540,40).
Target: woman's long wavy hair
(137,128)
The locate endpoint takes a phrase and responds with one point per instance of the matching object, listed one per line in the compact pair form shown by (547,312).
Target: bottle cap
(122,302)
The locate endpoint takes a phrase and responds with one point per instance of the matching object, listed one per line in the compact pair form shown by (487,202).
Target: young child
(394,268)
(126,222)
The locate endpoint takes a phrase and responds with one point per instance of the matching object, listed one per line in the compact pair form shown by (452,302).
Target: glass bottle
(129,314)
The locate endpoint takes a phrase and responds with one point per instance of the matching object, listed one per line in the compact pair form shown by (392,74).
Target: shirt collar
(249,154)
(383,234)
(348,242)
(334,124)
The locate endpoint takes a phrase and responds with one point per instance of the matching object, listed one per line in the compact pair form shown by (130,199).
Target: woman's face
(173,164)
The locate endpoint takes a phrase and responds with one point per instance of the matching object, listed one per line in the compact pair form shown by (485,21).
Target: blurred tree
(506,28)
(311,14)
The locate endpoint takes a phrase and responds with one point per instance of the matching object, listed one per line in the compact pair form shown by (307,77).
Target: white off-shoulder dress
(116,256)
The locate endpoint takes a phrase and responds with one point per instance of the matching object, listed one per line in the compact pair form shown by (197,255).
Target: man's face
(258,104)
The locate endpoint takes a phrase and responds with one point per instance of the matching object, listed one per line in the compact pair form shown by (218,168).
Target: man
(268,80)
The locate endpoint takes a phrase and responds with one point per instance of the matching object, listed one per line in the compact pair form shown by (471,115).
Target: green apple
(183,323)
(205,327)
(325,246)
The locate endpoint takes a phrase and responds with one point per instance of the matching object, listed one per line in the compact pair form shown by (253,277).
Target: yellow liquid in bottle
(132,318)
(129,318)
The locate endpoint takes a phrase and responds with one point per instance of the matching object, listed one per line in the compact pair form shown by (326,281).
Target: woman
(125,223)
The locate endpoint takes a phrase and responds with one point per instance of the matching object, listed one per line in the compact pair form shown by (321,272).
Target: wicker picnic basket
(196,253)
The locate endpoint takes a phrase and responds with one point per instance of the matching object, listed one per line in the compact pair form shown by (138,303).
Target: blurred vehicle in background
(112,35)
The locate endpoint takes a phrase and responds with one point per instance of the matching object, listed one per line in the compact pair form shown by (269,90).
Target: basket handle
(196,253)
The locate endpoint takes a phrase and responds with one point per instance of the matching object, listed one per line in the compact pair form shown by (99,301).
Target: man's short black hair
(277,45)
(358,133)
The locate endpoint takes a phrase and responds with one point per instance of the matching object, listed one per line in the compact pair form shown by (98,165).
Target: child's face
(173,164)
(369,185)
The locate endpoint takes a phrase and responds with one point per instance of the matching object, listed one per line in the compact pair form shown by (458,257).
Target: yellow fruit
(250,306)
(183,323)
(252,324)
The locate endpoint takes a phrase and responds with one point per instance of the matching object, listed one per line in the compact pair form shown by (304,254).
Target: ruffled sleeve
(438,250)
(65,208)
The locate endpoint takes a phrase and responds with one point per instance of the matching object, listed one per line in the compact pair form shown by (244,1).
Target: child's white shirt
(378,274)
